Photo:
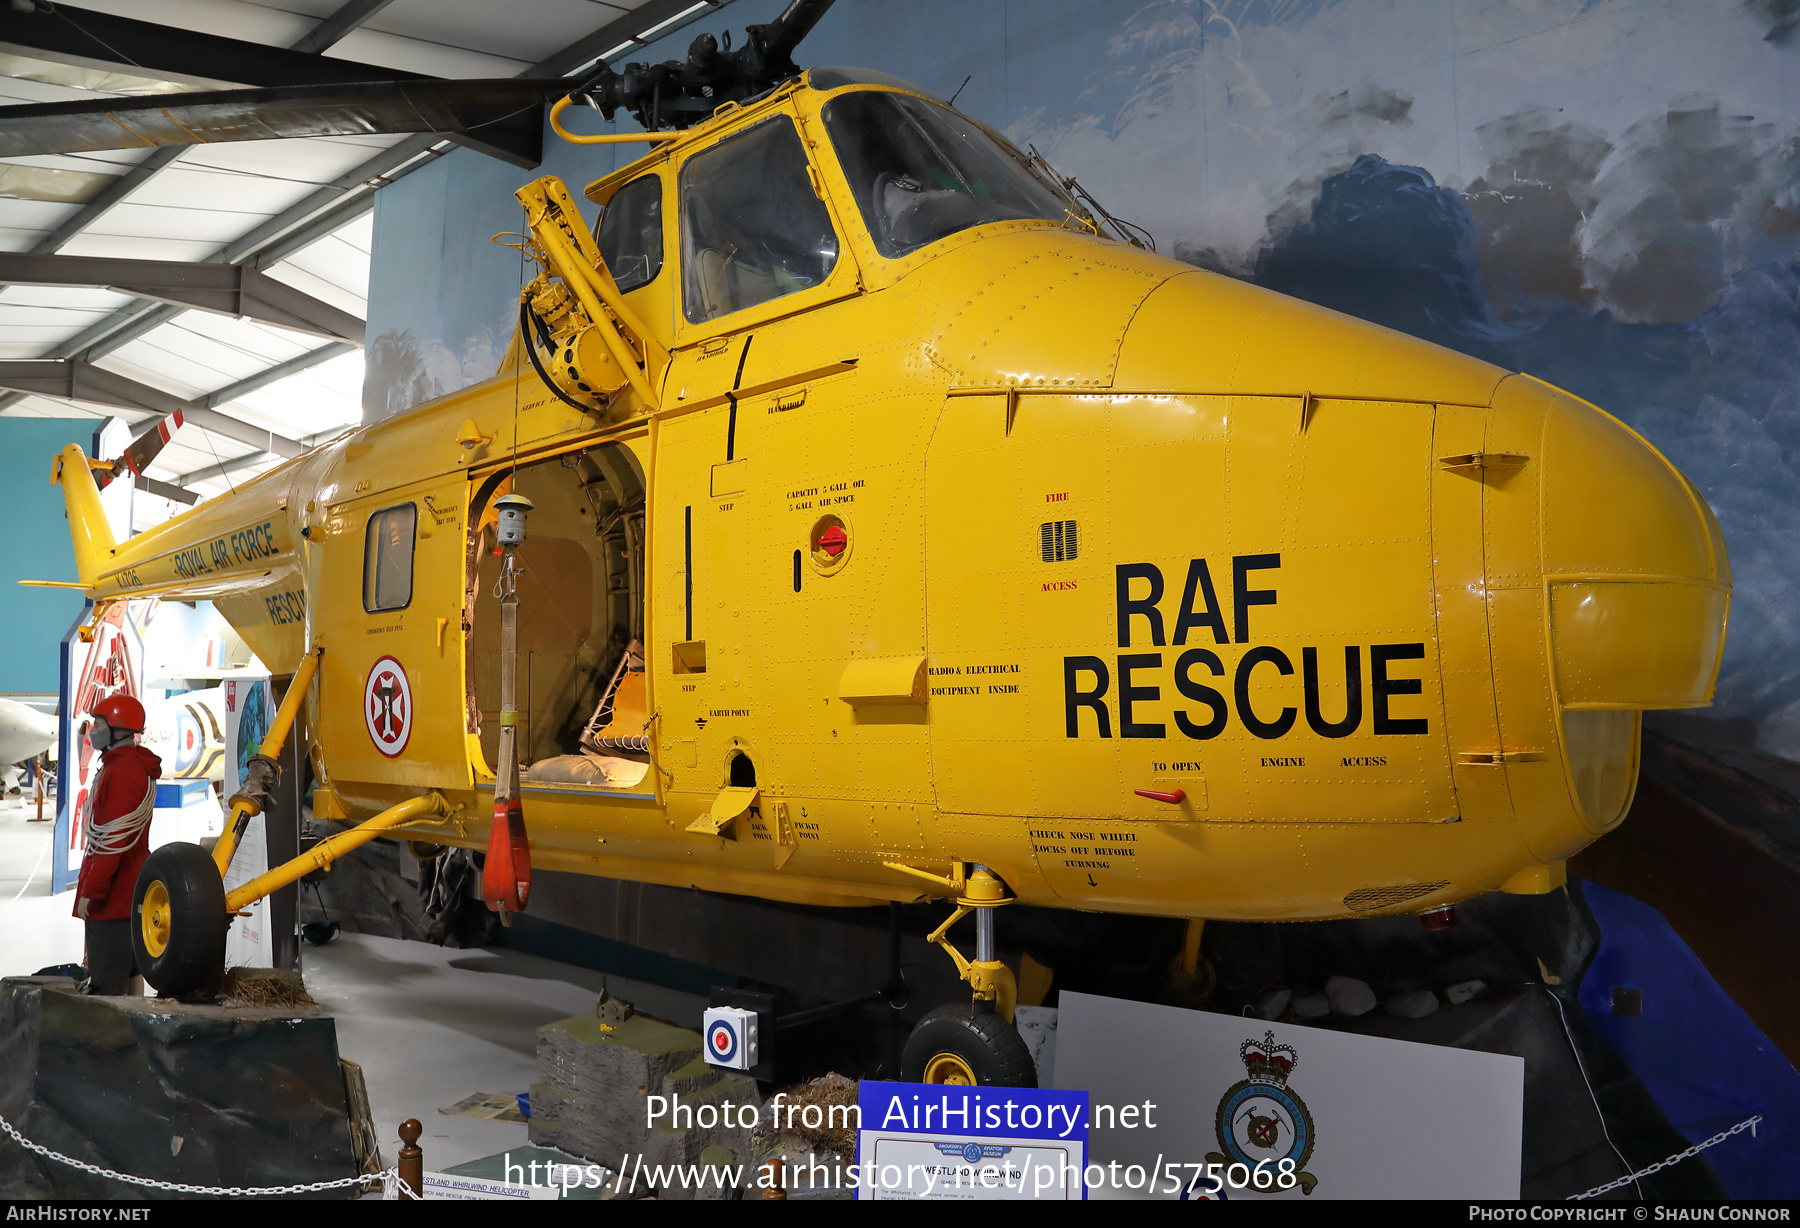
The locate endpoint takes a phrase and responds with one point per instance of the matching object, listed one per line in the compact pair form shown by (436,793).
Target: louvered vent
(1374,899)
(1058,538)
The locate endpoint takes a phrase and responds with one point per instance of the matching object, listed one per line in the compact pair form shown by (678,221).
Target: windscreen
(752,227)
(921,171)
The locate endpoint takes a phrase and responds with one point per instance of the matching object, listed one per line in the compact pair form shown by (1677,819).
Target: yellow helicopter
(862,514)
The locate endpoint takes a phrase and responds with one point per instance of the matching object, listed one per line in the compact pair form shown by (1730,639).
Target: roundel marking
(388,707)
(189,740)
(722,1037)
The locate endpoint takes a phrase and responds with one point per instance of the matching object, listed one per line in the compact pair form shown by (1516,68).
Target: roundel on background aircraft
(188,732)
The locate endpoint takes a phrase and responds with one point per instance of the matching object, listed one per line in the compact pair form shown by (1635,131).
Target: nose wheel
(967,1044)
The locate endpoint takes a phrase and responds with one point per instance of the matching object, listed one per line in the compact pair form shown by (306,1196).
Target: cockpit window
(630,233)
(921,171)
(752,228)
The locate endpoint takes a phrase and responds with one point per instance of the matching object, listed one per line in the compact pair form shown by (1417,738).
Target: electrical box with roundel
(730,1037)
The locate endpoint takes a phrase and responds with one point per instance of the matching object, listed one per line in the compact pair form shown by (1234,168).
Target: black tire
(193,943)
(989,1046)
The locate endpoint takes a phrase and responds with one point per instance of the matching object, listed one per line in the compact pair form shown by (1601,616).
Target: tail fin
(89,531)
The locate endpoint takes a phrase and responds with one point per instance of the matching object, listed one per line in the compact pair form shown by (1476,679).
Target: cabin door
(389,616)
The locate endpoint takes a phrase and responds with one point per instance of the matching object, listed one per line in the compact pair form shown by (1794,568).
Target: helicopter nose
(1607,583)
(1579,579)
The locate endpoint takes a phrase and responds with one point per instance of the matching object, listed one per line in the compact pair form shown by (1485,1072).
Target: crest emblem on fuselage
(388,706)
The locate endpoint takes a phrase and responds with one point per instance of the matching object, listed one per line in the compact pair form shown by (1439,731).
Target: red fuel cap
(833,540)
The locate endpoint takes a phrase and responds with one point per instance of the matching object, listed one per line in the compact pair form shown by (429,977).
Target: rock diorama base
(223,1096)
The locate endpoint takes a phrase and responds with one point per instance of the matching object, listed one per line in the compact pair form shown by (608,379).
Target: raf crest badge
(1261,1120)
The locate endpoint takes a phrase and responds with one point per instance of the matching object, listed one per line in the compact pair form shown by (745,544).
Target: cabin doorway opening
(581,695)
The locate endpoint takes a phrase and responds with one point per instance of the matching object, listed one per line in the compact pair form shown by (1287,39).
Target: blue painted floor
(1706,1063)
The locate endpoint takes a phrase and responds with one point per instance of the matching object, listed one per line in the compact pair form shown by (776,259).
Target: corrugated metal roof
(212,197)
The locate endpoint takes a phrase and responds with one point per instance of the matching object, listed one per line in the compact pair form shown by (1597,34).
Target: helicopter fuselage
(1151,590)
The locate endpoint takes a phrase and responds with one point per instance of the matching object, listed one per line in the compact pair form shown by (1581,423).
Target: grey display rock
(1271,1004)
(1464,991)
(1310,1006)
(1349,996)
(593,1095)
(204,1095)
(1415,1004)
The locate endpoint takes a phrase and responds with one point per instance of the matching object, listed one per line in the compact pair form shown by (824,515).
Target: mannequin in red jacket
(120,806)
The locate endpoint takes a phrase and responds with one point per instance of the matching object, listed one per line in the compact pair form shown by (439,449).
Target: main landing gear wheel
(178,920)
(966,1043)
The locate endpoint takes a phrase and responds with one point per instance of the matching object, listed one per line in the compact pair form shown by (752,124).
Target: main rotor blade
(379,107)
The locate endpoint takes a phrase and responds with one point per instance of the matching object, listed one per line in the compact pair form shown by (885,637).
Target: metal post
(984,930)
(281,835)
(506,875)
(895,988)
(506,785)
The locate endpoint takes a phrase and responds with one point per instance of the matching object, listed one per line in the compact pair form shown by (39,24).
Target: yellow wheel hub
(945,1068)
(156,918)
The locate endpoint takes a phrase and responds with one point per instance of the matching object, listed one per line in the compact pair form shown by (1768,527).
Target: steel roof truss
(224,289)
(75,379)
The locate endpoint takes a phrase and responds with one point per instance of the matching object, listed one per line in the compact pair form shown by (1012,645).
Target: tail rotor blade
(143,449)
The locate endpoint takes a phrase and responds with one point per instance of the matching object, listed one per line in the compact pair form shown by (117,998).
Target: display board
(1241,1108)
(110,662)
(248,707)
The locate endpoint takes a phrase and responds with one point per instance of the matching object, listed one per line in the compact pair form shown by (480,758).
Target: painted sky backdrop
(1604,193)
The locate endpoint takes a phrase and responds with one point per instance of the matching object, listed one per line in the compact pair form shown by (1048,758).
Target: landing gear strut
(974,1043)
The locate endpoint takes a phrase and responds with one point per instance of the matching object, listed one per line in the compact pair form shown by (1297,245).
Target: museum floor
(429,1025)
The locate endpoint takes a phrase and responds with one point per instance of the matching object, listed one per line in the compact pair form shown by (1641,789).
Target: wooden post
(773,1168)
(412,1158)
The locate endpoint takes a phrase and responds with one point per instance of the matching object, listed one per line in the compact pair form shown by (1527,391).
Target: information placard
(958,1143)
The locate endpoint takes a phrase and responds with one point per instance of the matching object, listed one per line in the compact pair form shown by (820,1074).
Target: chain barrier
(388,1177)
(1748,1123)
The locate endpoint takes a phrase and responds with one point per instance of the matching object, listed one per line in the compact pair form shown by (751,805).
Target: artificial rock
(204,1095)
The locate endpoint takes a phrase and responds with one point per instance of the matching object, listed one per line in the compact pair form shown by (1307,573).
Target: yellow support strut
(321,855)
(243,809)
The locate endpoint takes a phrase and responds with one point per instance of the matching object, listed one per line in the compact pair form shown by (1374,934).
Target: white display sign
(1248,1109)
